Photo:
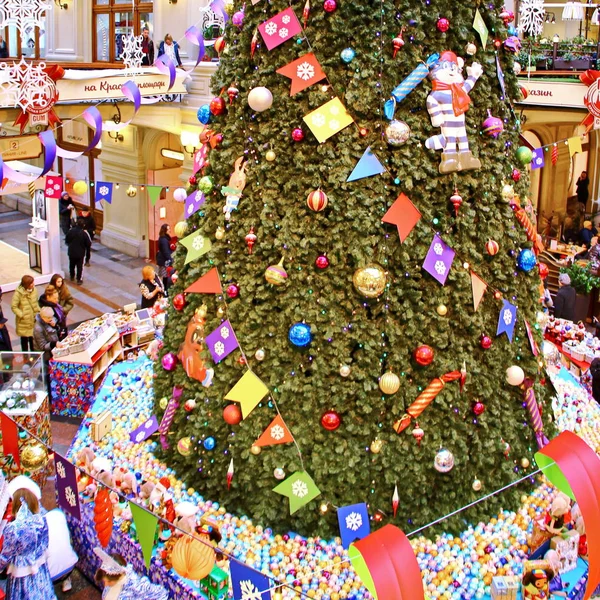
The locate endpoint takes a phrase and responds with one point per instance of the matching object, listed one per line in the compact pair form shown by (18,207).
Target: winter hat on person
(22,482)
(564,279)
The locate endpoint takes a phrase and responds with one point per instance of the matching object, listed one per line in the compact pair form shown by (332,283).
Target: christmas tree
(357,248)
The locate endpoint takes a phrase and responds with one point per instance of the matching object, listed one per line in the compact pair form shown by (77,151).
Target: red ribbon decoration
(460,98)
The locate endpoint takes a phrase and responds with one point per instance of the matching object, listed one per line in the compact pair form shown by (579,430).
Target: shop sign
(553,93)
(20,147)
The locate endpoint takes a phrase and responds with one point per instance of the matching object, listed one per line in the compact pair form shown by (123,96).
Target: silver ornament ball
(471,49)
(397,133)
(279,473)
(344,370)
(477,485)
(443,461)
(259,354)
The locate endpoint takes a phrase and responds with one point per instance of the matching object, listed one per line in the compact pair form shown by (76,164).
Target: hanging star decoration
(132,54)
(531,13)
(24,14)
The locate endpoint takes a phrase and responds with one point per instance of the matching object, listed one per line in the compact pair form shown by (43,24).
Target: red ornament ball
(329,5)
(297,134)
(173,246)
(322,262)
(543,268)
(179,302)
(485,342)
(363,132)
(174,277)
(217,106)
(219,45)
(443,25)
(478,408)
(233,290)
(516,175)
(232,415)
(317,200)
(424,355)
(331,420)
(192,180)
(492,247)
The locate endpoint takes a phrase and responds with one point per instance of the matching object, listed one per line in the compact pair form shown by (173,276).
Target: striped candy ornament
(317,200)
(554,154)
(492,247)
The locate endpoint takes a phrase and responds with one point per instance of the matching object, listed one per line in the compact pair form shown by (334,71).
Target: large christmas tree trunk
(351,354)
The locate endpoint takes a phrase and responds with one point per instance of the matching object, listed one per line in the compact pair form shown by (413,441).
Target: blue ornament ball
(204,114)
(300,335)
(209,443)
(347,55)
(526,260)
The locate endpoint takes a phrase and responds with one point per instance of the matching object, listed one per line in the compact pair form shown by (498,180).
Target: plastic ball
(397,133)
(543,269)
(471,49)
(515,375)
(524,155)
(329,6)
(370,281)
(331,420)
(169,361)
(203,115)
(179,302)
(276,274)
(345,370)
(442,310)
(363,132)
(184,446)
(80,188)
(220,233)
(279,473)
(492,247)
(317,200)
(217,106)
(163,403)
(493,126)
(524,91)
(179,195)
(424,355)
(443,25)
(259,355)
(517,68)
(205,185)
(321,262)
(526,261)
(232,415)
(209,443)
(443,461)
(516,175)
(485,342)
(233,290)
(180,229)
(389,383)
(270,155)
(297,134)
(260,99)
(300,335)
(347,55)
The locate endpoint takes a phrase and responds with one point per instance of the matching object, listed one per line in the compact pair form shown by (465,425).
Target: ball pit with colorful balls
(452,567)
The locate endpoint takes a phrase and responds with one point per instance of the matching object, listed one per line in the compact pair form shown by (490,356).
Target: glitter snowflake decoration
(24,13)
(437,248)
(70,496)
(60,469)
(224,332)
(271,29)
(507,317)
(219,348)
(26,85)
(132,54)
(103,190)
(277,432)
(283,32)
(299,488)
(318,120)
(354,521)
(249,590)
(305,71)
(531,16)
(139,437)
(440,267)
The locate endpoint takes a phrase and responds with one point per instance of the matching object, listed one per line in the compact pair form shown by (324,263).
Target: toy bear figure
(447,104)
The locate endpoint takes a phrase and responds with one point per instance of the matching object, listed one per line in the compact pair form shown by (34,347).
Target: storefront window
(31,43)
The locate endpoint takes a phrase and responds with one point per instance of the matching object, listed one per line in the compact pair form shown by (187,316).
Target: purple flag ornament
(507,320)
(438,261)
(538,159)
(144,431)
(104,190)
(66,486)
(222,341)
(193,203)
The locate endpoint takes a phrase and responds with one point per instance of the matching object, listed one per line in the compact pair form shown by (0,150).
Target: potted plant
(583,281)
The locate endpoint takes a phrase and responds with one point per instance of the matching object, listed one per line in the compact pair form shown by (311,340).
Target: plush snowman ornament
(447,104)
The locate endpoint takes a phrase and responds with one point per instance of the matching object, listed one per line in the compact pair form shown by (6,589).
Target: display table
(580,365)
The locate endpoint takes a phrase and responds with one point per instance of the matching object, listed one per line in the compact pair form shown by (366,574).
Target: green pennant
(299,488)
(196,245)
(145,527)
(480,27)
(154,192)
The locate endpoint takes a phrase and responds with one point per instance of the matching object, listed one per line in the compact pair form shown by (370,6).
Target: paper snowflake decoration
(507,317)
(60,469)
(318,120)
(198,196)
(305,71)
(354,521)
(299,488)
(132,54)
(219,348)
(286,19)
(140,437)
(26,85)
(24,13)
(249,590)
(198,243)
(334,124)
(271,28)
(277,432)
(103,190)
(283,32)
(437,248)
(440,267)
(224,332)
(531,16)
(70,496)
(148,424)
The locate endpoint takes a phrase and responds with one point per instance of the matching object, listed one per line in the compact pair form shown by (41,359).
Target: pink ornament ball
(329,6)
(238,18)
(443,25)
(493,126)
(322,262)
(297,134)
(169,361)
(516,175)
(233,291)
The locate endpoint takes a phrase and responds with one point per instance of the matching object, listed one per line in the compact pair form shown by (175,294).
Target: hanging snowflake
(531,17)
(132,54)
(24,13)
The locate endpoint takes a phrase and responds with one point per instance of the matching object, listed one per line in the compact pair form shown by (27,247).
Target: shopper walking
(64,293)
(65,204)
(151,287)
(164,256)
(50,298)
(25,306)
(171,49)
(147,48)
(89,226)
(78,242)
(564,301)
(582,190)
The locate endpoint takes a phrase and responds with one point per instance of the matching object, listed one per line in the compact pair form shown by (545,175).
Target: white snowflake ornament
(132,54)
(437,248)
(270,29)
(507,317)
(354,521)
(60,469)
(198,243)
(249,590)
(531,17)
(103,190)
(277,432)
(440,267)
(70,496)
(305,71)
(24,13)
(299,488)
(219,348)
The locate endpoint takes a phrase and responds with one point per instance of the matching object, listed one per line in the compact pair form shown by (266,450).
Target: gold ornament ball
(370,281)
(184,446)
(229,7)
(34,456)
(477,485)
(80,187)
(259,354)
(220,233)
(442,310)
(525,463)
(376,446)
(180,229)
(256,450)
(191,491)
(270,155)
(131,191)
(471,49)
(221,311)
(345,370)
(389,383)
(163,403)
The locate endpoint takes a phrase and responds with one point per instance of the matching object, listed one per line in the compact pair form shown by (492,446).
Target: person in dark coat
(150,287)
(147,48)
(164,256)
(50,298)
(79,243)
(582,190)
(65,204)
(89,225)
(564,301)
(595,373)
